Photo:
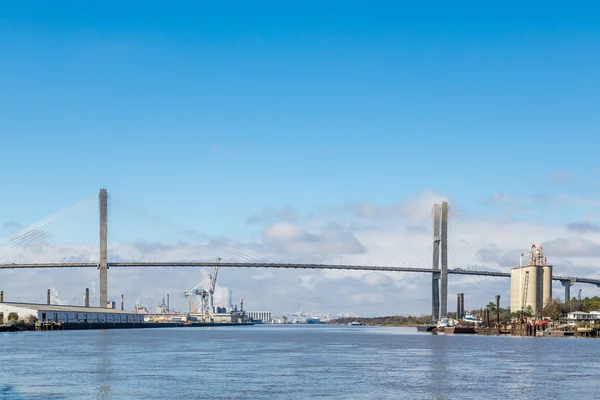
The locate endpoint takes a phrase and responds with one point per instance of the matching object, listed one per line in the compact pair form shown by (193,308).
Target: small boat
(444,322)
(425,328)
(354,323)
(471,318)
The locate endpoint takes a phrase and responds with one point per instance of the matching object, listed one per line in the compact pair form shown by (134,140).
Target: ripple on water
(289,362)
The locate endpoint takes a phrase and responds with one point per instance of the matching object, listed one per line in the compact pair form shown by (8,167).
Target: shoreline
(44,327)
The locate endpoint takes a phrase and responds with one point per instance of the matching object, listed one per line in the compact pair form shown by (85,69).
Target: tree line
(552,310)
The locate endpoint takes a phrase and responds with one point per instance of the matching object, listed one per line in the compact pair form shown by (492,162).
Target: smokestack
(168,308)
(1,296)
(241,305)
(458,306)
(48,297)
(87,297)
(498,309)
(121,302)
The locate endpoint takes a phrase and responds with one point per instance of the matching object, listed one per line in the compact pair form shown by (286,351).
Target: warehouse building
(68,314)
(263,316)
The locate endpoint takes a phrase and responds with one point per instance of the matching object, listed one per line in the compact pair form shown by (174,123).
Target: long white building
(264,316)
(66,314)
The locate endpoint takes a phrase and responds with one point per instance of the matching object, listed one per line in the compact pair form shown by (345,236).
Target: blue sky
(310,105)
(208,115)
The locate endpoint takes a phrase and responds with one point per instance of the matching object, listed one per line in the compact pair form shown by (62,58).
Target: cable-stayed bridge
(79,238)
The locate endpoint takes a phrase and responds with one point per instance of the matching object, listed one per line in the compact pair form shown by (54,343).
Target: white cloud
(416,207)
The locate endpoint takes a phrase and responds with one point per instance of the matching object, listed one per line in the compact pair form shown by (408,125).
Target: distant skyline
(277,126)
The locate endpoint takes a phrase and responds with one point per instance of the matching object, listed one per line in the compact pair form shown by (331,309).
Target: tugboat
(425,328)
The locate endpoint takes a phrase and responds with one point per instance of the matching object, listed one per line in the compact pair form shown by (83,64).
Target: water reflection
(104,367)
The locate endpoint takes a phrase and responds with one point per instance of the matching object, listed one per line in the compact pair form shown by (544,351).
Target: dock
(62,326)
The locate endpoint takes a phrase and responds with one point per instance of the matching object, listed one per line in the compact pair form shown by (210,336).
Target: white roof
(59,308)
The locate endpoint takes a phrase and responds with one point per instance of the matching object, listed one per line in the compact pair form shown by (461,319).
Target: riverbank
(398,321)
(60,326)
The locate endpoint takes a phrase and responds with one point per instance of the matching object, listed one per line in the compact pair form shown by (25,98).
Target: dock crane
(212,278)
(206,294)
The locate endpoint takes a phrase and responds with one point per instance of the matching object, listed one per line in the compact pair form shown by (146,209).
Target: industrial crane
(213,283)
(206,295)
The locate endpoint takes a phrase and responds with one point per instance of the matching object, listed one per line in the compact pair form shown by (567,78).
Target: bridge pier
(103,248)
(567,284)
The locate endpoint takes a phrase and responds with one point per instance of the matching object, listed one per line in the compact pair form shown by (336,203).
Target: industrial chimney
(48,297)
(498,309)
(87,297)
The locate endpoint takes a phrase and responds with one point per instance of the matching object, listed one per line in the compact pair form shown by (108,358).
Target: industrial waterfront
(294,362)
(530,295)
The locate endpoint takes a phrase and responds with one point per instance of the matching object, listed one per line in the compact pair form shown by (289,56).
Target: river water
(293,362)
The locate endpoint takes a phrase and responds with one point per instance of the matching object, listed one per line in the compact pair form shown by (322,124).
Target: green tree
(590,304)
(552,310)
(13,316)
(491,306)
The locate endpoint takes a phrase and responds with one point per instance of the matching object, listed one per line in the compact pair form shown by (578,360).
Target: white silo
(527,283)
(547,283)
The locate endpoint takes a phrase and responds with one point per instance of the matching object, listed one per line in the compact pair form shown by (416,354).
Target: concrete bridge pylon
(103,266)
(439,278)
(435,276)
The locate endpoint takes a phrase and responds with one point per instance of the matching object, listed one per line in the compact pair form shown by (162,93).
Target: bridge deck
(457,271)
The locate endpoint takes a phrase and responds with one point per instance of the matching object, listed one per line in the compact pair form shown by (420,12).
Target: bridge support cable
(186,243)
(28,242)
(462,249)
(328,254)
(58,238)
